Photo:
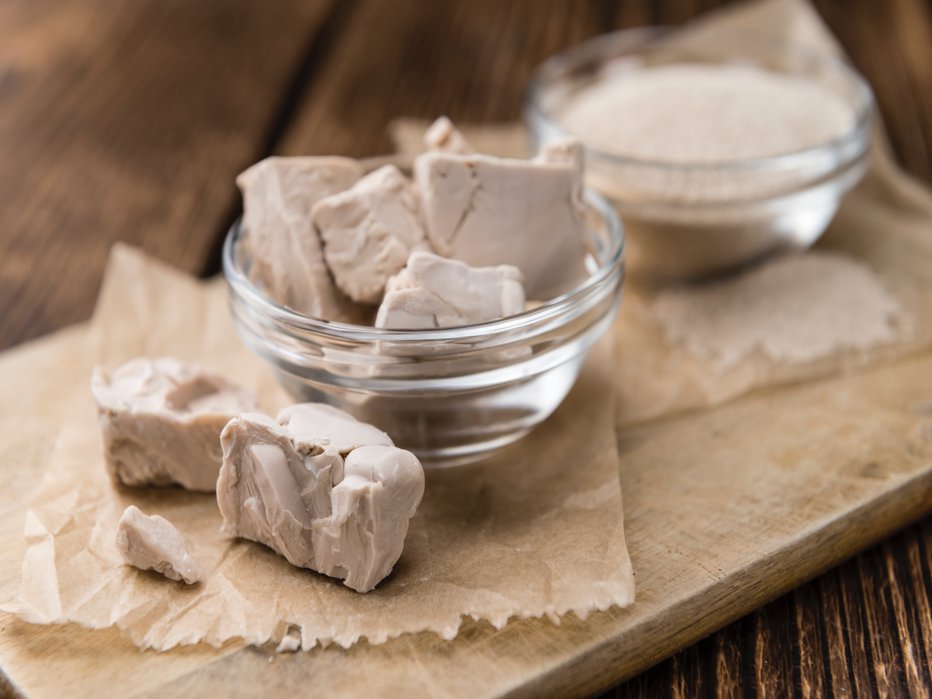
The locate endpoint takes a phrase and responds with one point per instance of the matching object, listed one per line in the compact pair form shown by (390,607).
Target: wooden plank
(891,44)
(810,640)
(839,651)
(470,60)
(722,515)
(128,121)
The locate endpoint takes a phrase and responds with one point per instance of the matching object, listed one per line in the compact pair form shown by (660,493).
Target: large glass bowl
(688,220)
(451,395)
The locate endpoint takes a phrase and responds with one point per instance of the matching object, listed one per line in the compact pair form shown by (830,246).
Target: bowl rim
(607,46)
(240,285)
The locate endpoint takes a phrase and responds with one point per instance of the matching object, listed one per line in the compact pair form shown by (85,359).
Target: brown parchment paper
(885,222)
(32,415)
(534,532)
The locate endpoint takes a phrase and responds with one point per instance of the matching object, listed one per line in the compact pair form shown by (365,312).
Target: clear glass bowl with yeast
(451,395)
(688,219)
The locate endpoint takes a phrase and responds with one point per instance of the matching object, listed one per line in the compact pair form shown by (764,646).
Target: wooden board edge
(605,664)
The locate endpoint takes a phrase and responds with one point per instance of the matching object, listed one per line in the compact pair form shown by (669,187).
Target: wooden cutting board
(725,509)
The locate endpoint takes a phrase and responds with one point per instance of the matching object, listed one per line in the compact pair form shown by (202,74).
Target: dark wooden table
(129,120)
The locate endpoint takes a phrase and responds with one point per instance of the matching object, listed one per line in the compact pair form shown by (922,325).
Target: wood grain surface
(127,121)
(130,120)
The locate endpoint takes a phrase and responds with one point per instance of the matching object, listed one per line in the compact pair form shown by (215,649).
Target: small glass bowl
(688,220)
(451,395)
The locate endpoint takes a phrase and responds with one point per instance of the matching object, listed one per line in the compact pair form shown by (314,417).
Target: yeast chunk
(151,542)
(437,292)
(161,421)
(285,256)
(369,231)
(325,491)
(490,211)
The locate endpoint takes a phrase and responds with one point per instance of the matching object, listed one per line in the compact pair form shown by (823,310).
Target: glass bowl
(451,395)
(687,220)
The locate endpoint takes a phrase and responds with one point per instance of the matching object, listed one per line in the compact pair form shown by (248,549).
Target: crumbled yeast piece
(321,425)
(161,421)
(568,151)
(442,135)
(286,261)
(437,292)
(369,231)
(324,490)
(489,211)
(150,542)
(290,643)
